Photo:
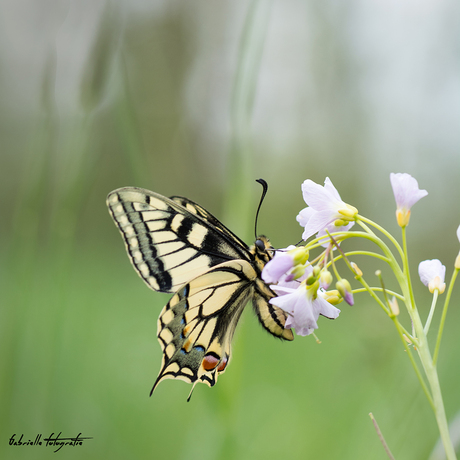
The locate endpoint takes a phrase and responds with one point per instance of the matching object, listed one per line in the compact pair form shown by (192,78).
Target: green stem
(401,332)
(382,230)
(370,290)
(425,357)
(379,289)
(414,364)
(406,269)
(433,380)
(430,315)
(391,260)
(372,294)
(367,253)
(444,314)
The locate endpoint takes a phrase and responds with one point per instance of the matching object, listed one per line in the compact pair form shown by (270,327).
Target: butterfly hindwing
(169,245)
(196,327)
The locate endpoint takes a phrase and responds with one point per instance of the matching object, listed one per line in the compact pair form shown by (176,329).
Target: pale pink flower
(303,311)
(407,193)
(325,210)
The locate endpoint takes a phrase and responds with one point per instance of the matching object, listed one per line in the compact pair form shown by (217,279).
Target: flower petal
(317,222)
(288,301)
(278,266)
(405,190)
(428,270)
(331,190)
(317,196)
(304,216)
(324,207)
(324,308)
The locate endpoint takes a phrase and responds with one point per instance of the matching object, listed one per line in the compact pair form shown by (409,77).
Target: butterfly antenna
(264,192)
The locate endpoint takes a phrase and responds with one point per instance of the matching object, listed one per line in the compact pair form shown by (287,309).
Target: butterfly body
(175,245)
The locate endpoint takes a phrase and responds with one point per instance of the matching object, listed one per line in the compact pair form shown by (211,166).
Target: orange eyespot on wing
(210,362)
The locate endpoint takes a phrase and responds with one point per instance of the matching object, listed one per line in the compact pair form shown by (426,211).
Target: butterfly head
(262,251)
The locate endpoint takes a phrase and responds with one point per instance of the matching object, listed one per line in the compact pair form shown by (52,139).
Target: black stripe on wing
(207,216)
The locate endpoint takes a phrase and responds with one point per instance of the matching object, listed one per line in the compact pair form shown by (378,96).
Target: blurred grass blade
(240,187)
(97,69)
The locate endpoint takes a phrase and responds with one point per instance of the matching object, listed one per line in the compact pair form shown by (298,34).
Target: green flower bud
(333,297)
(299,255)
(325,278)
(344,288)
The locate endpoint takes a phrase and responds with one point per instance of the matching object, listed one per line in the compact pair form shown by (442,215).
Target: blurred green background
(199,99)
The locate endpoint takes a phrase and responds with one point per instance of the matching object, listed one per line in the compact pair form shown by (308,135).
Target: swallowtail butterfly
(176,246)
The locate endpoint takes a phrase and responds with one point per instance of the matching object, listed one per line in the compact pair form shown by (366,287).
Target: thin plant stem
(406,268)
(438,405)
(372,294)
(382,230)
(443,317)
(368,253)
(379,289)
(380,435)
(414,364)
(430,315)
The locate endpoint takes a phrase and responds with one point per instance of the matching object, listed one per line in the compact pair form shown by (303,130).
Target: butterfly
(176,246)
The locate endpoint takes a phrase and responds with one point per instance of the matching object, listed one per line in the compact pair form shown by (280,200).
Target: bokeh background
(200,98)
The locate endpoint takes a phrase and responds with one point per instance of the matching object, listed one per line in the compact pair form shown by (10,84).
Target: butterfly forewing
(168,245)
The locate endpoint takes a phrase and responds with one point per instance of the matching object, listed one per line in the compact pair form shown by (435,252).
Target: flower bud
(333,296)
(432,274)
(357,270)
(394,307)
(297,272)
(344,288)
(457,262)
(299,255)
(313,277)
(325,278)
